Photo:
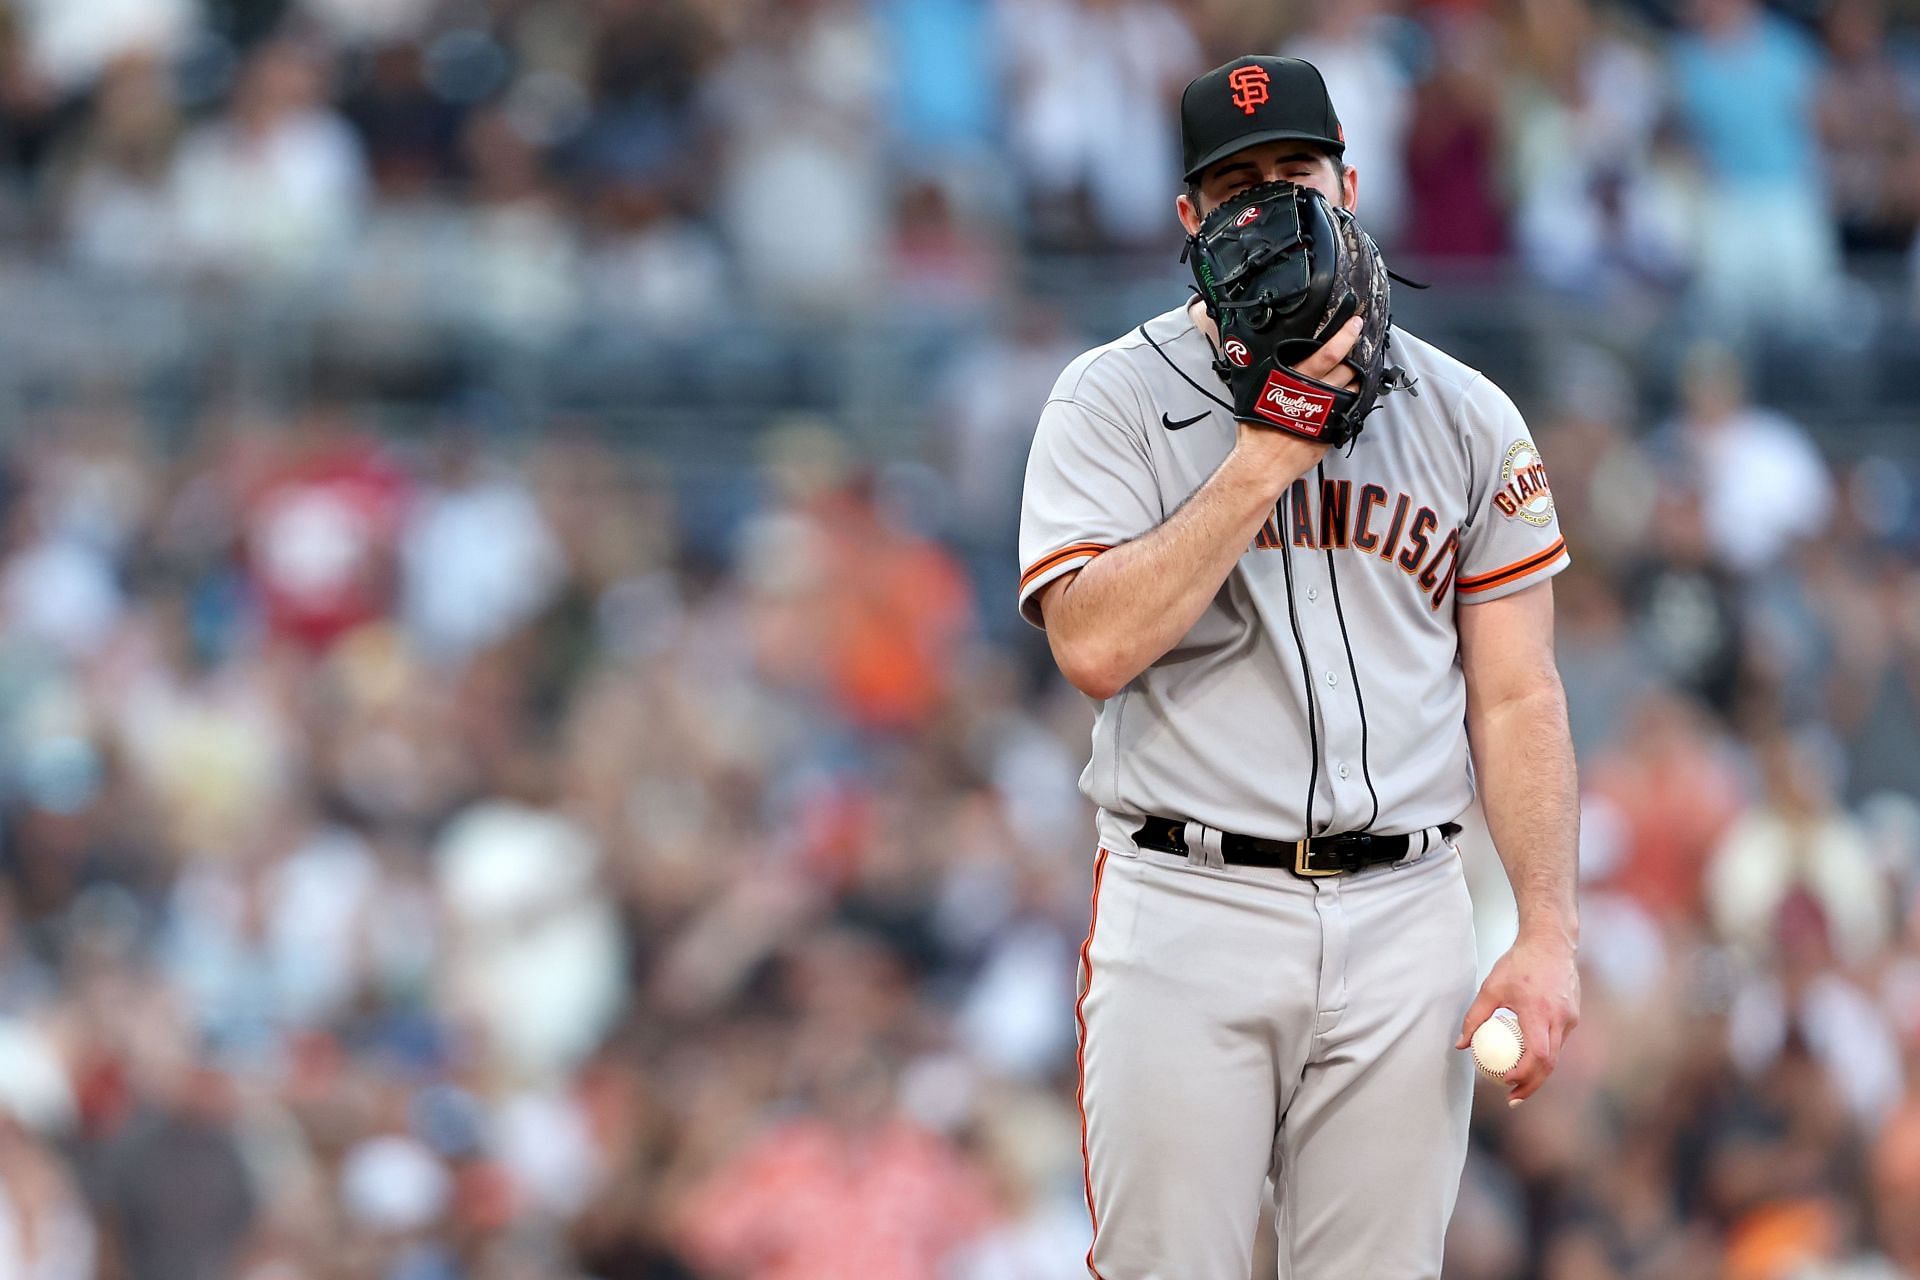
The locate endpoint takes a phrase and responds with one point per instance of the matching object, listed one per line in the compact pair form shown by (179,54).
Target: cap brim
(1221,152)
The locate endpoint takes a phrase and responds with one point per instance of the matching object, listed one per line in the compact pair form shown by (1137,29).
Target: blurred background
(518,760)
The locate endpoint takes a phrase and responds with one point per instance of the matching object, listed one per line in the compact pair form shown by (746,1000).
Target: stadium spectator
(273,189)
(1094,135)
(1598,206)
(1671,784)
(1869,637)
(477,558)
(1744,83)
(532,955)
(848,1188)
(1689,608)
(519,274)
(115,203)
(177,1195)
(800,186)
(1869,130)
(1799,843)
(1365,75)
(942,83)
(321,523)
(647,260)
(1763,487)
(1453,160)
(408,131)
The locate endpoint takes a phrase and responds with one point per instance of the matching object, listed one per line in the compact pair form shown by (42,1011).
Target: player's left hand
(1540,982)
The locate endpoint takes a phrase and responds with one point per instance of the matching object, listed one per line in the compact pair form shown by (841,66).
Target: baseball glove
(1281,268)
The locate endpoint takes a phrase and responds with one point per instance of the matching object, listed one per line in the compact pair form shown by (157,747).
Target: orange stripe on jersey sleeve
(1064,554)
(1508,573)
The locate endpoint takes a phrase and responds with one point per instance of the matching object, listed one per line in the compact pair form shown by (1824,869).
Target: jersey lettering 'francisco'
(1442,503)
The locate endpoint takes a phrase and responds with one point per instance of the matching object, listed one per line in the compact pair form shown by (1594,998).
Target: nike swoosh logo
(1171,425)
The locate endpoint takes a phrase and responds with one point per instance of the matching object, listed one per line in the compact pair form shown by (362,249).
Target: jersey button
(1345,771)
(1332,679)
(1313,593)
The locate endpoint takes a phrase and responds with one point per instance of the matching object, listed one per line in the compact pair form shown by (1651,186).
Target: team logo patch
(1524,493)
(1236,352)
(1249,85)
(1246,216)
(1294,404)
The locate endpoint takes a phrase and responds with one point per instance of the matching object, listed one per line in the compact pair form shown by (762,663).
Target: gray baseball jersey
(1442,501)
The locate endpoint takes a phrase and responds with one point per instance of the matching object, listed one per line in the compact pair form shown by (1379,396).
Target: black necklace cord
(1353,670)
(1224,404)
(1306,667)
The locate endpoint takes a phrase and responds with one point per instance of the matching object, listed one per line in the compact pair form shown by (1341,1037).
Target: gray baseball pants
(1241,1023)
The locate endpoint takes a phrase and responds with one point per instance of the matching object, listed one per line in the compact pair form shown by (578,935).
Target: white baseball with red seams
(1498,1044)
(1239,1022)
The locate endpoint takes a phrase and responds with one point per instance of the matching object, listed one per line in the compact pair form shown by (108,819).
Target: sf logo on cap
(1249,86)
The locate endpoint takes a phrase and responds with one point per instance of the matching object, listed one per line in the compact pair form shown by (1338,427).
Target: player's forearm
(1130,605)
(1523,758)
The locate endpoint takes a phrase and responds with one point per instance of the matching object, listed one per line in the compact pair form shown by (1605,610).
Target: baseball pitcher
(1302,560)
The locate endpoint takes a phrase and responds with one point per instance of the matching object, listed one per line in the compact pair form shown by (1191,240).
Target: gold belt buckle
(1300,868)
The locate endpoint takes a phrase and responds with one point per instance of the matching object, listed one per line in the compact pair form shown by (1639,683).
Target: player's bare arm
(1523,757)
(1111,620)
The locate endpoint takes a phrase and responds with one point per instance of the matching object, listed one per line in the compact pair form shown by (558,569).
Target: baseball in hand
(1498,1044)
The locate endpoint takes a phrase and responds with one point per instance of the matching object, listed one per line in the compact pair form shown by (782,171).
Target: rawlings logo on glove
(1280,268)
(1291,403)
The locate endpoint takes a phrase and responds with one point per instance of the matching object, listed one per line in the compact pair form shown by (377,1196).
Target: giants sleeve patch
(1524,493)
(1296,405)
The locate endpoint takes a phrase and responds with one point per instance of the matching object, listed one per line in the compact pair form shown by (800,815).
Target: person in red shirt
(850,1188)
(320,527)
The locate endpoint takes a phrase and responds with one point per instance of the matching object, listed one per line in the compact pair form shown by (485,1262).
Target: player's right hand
(1281,456)
(1539,980)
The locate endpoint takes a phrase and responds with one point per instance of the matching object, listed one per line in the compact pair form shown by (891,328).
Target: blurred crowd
(467,853)
(467,857)
(523,159)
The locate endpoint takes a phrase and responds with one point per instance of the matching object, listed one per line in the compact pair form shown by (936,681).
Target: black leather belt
(1320,856)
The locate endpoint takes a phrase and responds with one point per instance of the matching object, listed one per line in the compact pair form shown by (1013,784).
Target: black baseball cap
(1253,100)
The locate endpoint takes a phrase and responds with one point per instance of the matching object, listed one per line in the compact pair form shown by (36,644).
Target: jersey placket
(1334,806)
